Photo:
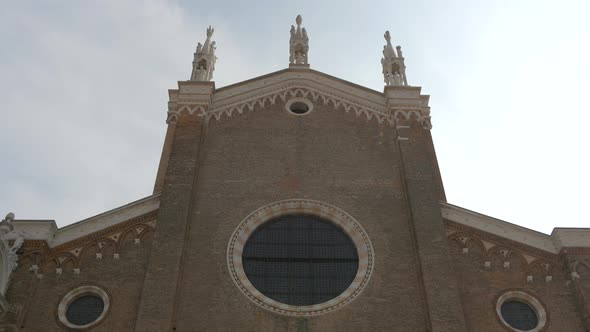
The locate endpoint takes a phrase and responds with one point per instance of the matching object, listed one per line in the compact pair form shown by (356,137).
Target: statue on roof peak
(298,44)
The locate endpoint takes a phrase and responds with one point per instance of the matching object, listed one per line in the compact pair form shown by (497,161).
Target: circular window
(520,311)
(300,260)
(83,307)
(85,310)
(299,106)
(300,257)
(519,315)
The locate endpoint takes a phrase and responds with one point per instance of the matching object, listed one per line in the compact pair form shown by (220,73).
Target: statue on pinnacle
(298,44)
(204,59)
(394,69)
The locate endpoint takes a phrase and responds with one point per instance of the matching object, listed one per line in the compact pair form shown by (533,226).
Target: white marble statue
(204,59)
(392,63)
(6,227)
(298,44)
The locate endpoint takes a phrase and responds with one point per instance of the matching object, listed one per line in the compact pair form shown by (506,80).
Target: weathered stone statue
(298,44)
(204,59)
(394,69)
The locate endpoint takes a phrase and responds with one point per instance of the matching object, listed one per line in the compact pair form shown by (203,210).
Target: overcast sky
(83,93)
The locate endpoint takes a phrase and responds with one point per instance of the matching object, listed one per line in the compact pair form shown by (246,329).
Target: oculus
(300,257)
(299,106)
(300,260)
(520,311)
(83,307)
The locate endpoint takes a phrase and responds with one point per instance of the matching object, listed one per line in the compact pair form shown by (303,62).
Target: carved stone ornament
(394,69)
(8,256)
(298,44)
(204,60)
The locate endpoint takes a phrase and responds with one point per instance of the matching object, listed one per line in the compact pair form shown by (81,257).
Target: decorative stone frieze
(196,98)
(191,98)
(68,254)
(495,249)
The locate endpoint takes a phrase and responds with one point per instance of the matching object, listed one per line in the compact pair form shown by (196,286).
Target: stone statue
(298,44)
(6,227)
(392,63)
(12,256)
(204,59)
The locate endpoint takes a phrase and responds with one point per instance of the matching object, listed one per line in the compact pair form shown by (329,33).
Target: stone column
(423,192)
(187,130)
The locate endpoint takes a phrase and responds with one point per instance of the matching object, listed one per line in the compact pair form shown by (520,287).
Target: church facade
(294,201)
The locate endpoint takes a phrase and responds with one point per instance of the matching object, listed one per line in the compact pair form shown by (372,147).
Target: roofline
(137,202)
(559,239)
(47,229)
(278,72)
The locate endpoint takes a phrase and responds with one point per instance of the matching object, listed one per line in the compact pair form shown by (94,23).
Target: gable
(282,85)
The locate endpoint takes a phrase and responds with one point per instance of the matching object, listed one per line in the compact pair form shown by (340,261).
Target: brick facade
(233,150)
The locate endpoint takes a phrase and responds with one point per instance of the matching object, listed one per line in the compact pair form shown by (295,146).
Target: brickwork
(35,298)
(423,193)
(160,285)
(363,154)
(269,155)
(480,287)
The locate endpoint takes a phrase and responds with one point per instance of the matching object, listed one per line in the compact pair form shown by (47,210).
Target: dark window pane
(519,315)
(300,260)
(85,310)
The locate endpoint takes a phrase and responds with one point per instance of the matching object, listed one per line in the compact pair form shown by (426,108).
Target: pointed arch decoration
(380,113)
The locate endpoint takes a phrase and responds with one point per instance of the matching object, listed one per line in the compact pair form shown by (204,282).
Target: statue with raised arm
(392,63)
(204,59)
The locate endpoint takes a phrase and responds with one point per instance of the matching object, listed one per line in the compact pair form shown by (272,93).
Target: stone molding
(47,232)
(72,250)
(43,257)
(348,224)
(298,90)
(493,248)
(306,83)
(489,241)
(558,242)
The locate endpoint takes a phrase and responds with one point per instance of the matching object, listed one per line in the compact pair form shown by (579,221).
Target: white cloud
(83,93)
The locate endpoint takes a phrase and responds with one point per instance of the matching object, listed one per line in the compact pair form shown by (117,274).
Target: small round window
(85,310)
(83,307)
(299,106)
(519,315)
(300,260)
(520,311)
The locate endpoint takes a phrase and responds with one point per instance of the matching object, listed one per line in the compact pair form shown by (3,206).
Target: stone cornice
(562,240)
(282,85)
(500,241)
(118,228)
(46,230)
(358,106)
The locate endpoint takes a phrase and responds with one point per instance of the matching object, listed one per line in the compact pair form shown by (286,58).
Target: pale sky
(83,93)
